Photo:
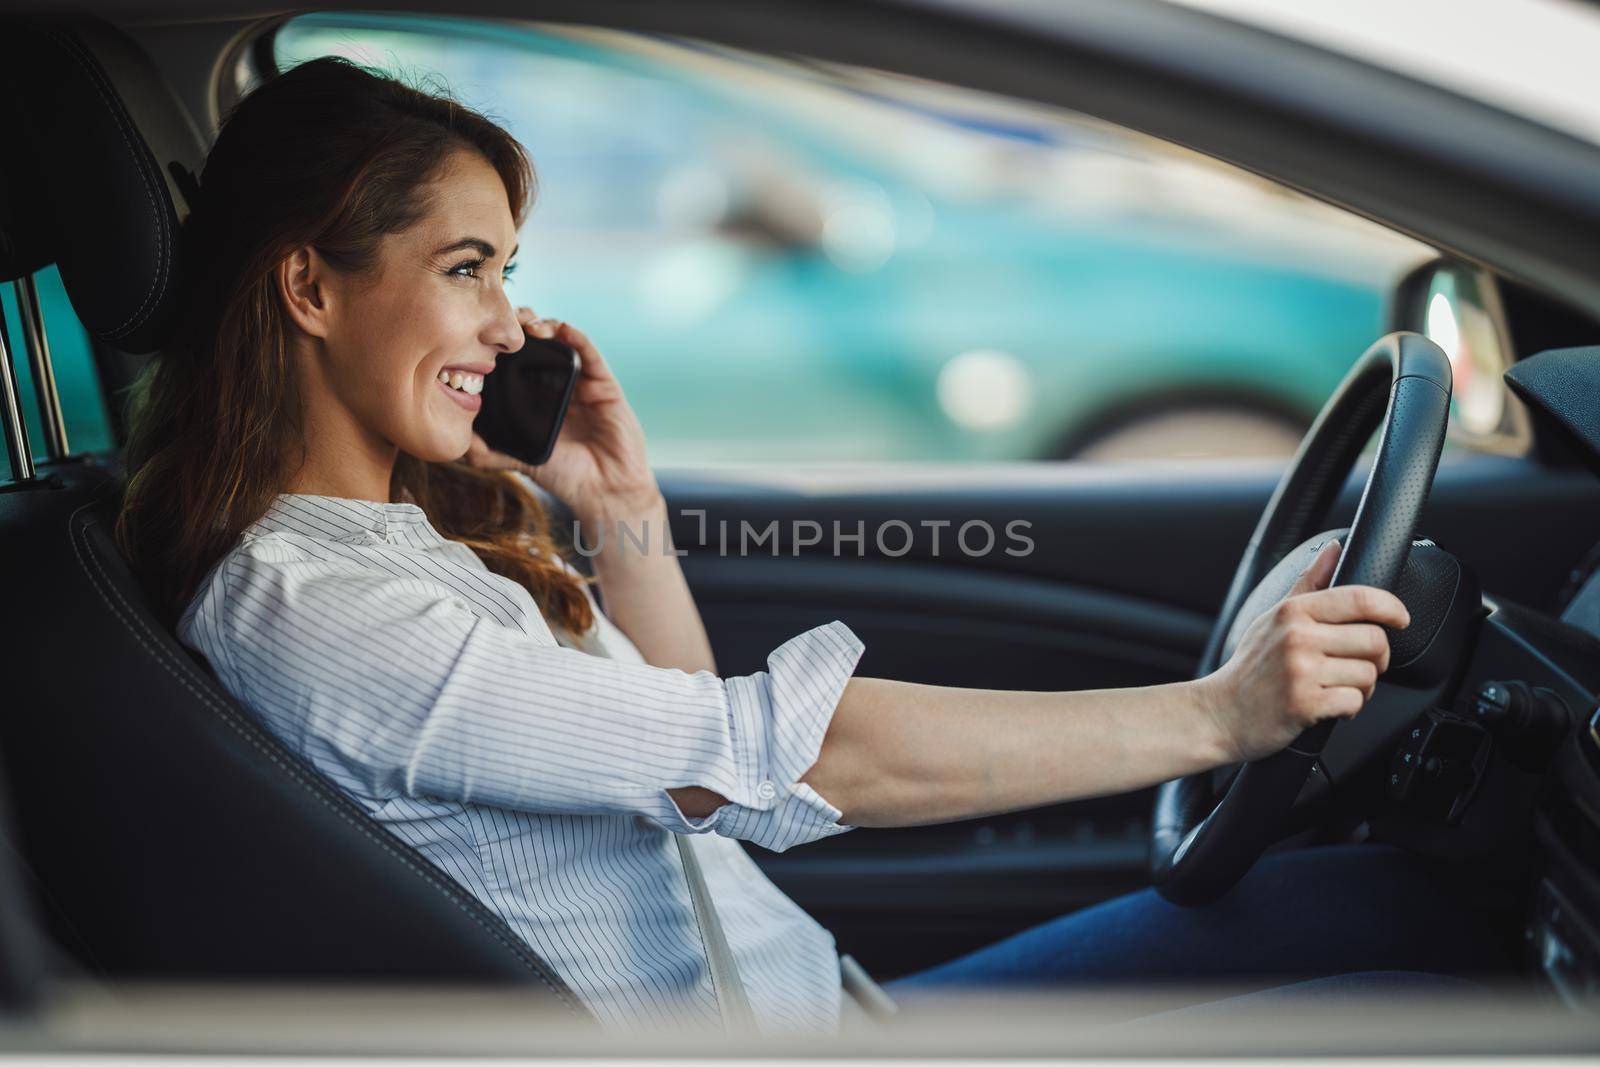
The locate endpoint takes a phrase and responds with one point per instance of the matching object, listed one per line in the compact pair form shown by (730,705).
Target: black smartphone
(526,398)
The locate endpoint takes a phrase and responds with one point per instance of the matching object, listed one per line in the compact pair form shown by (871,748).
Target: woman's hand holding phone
(598,467)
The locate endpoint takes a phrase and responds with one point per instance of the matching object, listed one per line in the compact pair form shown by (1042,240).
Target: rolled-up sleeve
(777,721)
(403,689)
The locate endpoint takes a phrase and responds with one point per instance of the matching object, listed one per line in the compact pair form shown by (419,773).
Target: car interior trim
(16,429)
(44,372)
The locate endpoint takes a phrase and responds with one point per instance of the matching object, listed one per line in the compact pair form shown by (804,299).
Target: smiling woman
(332,286)
(384,346)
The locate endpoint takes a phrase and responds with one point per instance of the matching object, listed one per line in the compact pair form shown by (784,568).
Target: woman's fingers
(1353,655)
(531,322)
(1343,700)
(1362,640)
(1356,603)
(1342,670)
(594,364)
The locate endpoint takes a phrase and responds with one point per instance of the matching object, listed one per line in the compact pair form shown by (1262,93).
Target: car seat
(168,835)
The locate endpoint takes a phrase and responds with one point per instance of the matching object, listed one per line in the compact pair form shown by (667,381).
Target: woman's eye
(469,269)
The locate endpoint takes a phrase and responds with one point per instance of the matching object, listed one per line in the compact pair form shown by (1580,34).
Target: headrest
(24,233)
(81,186)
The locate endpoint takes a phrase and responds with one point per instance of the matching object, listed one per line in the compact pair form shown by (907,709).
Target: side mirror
(1457,306)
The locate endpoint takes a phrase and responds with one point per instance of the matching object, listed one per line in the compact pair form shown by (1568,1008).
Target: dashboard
(1540,675)
(1513,743)
(1581,606)
(1518,746)
(1563,930)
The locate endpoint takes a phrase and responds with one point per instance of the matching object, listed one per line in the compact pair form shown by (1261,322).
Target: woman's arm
(898,753)
(644,589)
(600,470)
(905,754)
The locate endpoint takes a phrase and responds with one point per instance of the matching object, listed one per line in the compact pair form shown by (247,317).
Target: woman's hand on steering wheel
(1316,655)
(598,467)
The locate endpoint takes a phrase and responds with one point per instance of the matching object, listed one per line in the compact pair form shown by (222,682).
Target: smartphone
(526,398)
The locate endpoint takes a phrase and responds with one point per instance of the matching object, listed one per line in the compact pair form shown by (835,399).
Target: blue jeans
(1304,914)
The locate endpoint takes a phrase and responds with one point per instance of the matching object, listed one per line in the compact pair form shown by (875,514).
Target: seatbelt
(726,986)
(866,994)
(737,1018)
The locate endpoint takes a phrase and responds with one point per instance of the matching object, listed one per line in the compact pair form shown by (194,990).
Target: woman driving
(310,507)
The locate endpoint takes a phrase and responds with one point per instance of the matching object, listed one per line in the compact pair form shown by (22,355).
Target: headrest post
(15,429)
(44,371)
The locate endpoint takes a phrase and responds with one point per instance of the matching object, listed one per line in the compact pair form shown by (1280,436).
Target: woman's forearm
(899,753)
(645,592)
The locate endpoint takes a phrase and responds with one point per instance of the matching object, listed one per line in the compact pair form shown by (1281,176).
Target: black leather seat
(168,834)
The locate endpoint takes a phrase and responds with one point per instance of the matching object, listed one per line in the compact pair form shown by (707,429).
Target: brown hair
(333,155)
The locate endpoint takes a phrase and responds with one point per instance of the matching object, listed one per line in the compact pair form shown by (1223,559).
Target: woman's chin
(444,447)
(449,431)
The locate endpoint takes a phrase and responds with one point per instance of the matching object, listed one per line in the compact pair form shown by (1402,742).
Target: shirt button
(766,790)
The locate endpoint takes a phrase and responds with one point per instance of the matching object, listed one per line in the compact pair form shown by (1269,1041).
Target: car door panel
(938,622)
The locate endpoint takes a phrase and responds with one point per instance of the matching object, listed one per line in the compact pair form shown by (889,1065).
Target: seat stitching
(124,127)
(85,557)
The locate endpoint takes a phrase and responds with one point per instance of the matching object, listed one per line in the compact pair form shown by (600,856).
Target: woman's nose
(504,329)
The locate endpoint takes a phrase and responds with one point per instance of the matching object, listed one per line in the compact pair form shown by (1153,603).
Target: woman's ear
(302,279)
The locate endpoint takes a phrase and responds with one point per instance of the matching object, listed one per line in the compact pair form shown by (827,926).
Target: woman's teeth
(471,384)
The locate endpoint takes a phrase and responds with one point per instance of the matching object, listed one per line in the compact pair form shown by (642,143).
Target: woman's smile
(463,386)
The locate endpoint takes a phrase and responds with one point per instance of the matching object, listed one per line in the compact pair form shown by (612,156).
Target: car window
(83,404)
(788,262)
(27,395)
(83,408)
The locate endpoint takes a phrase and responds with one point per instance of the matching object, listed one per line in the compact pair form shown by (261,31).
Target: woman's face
(433,305)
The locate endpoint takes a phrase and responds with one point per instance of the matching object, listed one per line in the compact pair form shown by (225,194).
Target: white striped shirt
(532,768)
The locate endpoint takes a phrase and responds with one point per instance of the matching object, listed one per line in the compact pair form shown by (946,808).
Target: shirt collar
(347,519)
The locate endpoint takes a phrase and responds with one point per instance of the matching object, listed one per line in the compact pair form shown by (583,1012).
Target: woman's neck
(343,460)
(348,488)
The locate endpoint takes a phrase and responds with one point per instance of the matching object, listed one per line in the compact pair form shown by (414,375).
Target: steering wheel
(1200,847)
